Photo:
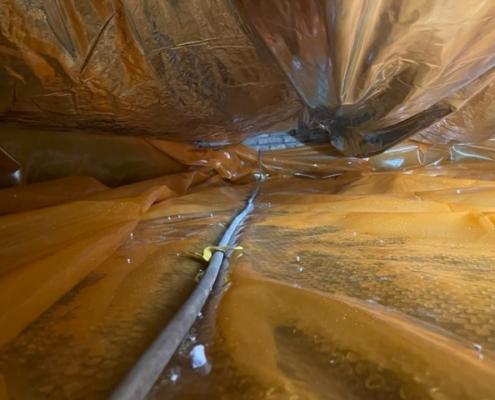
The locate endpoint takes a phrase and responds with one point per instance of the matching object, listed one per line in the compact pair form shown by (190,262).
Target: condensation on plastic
(377,288)
(90,274)
(88,282)
(372,73)
(84,229)
(182,69)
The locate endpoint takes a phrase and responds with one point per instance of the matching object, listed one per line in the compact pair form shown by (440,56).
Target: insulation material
(179,69)
(370,73)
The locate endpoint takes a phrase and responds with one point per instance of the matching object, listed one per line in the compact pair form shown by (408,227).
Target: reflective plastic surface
(379,288)
(359,278)
(370,73)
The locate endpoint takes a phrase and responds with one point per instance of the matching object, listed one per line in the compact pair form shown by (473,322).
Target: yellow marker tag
(209,250)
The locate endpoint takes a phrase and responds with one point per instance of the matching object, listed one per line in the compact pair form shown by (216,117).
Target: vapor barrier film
(360,284)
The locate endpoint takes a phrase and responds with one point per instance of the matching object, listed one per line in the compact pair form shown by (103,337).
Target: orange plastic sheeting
(376,349)
(171,185)
(90,274)
(239,163)
(217,199)
(36,246)
(47,252)
(38,195)
(476,199)
(368,73)
(374,73)
(469,170)
(232,163)
(377,288)
(43,194)
(133,266)
(40,155)
(402,183)
(177,69)
(47,154)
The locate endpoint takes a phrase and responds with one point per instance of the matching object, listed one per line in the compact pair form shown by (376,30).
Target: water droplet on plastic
(298,258)
(300,269)
(200,315)
(479,351)
(131,235)
(17,175)
(198,356)
(128,260)
(191,338)
(177,254)
(296,63)
(458,191)
(174,374)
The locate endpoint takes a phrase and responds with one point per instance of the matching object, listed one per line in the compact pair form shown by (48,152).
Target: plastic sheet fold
(368,276)
(378,288)
(89,282)
(369,73)
(372,73)
(176,69)
(340,255)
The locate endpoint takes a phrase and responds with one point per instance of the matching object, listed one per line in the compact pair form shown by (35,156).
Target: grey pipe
(148,368)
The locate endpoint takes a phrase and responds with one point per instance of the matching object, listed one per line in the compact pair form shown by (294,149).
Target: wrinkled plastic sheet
(29,156)
(370,73)
(378,288)
(364,283)
(183,70)
(86,284)
(366,277)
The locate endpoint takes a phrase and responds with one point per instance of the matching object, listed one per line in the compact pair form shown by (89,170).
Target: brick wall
(284,140)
